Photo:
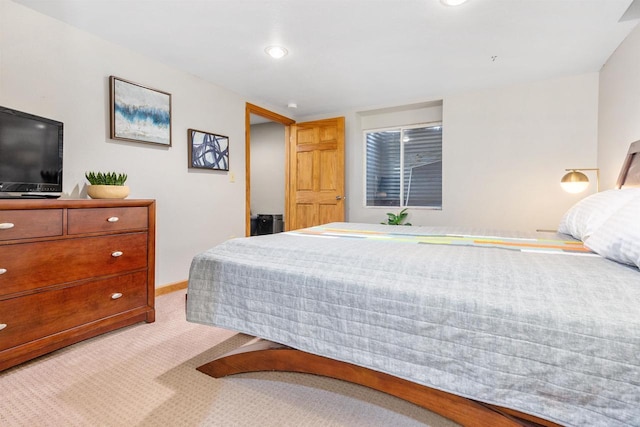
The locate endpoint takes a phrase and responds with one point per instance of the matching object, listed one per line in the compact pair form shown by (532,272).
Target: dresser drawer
(38,315)
(25,224)
(106,219)
(29,266)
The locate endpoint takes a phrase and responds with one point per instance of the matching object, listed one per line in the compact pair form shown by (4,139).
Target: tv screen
(30,153)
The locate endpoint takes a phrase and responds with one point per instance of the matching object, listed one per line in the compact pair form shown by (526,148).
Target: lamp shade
(574,182)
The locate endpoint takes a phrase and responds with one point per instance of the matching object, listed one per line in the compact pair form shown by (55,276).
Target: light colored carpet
(144,375)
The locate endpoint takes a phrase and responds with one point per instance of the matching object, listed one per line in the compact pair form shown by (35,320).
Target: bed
(481,326)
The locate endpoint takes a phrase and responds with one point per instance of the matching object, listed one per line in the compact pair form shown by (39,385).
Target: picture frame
(139,113)
(208,150)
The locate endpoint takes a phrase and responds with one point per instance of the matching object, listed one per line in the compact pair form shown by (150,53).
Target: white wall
(619,107)
(504,152)
(50,69)
(405,115)
(267,168)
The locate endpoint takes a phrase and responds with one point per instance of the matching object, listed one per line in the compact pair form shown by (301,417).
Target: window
(404,166)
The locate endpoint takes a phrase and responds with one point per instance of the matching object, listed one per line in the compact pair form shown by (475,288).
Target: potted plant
(108,185)
(393,219)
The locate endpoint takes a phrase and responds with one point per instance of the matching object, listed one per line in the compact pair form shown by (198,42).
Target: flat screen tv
(30,155)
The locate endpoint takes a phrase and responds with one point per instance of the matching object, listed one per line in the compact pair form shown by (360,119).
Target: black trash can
(269,224)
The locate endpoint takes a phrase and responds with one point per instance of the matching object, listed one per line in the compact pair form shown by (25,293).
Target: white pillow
(619,236)
(584,218)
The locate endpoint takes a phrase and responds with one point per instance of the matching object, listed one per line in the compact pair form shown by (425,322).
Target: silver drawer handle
(6,225)
(116,295)
(113,219)
(2,326)
(3,270)
(116,254)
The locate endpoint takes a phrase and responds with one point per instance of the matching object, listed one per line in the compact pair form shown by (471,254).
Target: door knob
(338,197)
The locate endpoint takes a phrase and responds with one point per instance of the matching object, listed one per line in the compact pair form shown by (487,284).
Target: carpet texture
(144,375)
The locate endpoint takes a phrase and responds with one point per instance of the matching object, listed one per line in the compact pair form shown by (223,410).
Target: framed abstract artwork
(208,150)
(139,113)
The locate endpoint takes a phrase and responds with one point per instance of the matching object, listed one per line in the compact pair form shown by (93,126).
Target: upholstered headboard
(630,172)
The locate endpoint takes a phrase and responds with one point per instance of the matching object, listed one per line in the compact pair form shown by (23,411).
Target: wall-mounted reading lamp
(575,181)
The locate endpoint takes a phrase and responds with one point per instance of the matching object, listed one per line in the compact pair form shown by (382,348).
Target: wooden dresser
(71,270)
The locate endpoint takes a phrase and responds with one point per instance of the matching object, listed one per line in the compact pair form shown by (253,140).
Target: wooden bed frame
(268,356)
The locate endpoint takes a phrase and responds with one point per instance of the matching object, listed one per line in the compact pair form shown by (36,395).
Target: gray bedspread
(550,334)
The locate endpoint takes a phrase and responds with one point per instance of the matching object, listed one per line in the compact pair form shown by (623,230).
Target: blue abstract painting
(139,113)
(208,150)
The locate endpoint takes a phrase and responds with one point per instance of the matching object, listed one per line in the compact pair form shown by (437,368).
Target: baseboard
(167,289)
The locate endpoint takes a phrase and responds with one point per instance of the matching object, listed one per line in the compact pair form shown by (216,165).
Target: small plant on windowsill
(397,219)
(108,185)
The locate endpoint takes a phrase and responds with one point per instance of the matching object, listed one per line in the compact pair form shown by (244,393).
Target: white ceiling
(357,54)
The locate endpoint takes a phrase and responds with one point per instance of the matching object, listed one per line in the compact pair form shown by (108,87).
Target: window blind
(404,167)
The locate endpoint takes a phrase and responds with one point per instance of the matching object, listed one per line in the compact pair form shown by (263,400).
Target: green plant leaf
(106,178)
(397,219)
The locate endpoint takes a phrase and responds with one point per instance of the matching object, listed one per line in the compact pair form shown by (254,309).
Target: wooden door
(316,173)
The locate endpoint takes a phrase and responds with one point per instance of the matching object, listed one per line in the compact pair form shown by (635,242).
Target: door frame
(275,117)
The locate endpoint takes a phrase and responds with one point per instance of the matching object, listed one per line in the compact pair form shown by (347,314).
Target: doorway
(259,115)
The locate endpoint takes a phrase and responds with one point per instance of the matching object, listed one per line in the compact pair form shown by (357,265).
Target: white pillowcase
(586,216)
(619,236)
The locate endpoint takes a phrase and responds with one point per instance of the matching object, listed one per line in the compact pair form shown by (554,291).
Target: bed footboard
(268,356)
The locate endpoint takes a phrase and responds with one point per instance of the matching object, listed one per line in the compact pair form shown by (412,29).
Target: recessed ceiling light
(452,2)
(276,52)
